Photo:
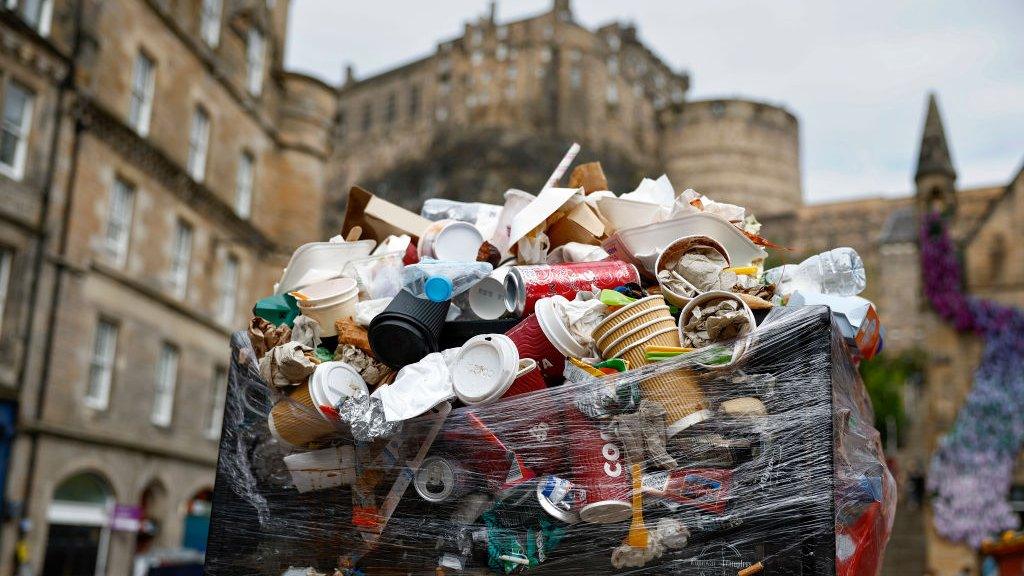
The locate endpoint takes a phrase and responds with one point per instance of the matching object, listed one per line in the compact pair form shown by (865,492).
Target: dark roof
(934,157)
(900,227)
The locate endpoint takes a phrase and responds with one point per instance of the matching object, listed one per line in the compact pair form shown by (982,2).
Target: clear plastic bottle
(440,280)
(839,272)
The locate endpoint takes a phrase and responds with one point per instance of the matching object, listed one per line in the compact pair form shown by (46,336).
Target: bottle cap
(438,288)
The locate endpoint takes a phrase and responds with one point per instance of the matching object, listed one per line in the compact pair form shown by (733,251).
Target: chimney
(563,10)
(492,12)
(350,74)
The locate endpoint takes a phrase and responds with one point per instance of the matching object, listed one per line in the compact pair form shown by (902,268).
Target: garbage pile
(575,382)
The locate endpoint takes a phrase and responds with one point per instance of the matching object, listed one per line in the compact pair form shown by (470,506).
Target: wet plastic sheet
(801,489)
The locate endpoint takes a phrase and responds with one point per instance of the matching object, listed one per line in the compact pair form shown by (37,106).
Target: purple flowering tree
(972,469)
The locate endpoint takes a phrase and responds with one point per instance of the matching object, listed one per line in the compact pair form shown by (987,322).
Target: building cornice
(20,41)
(86,436)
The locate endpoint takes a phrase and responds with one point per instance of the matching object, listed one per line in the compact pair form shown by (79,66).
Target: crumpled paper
(306,331)
(288,364)
(700,269)
(417,388)
(365,415)
(576,252)
(715,321)
(367,310)
(265,335)
(668,534)
(533,249)
(372,371)
(643,432)
(581,315)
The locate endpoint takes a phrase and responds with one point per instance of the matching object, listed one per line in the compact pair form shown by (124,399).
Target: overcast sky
(855,73)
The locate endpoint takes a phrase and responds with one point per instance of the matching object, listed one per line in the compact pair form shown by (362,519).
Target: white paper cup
(487,297)
(555,329)
(325,315)
(322,469)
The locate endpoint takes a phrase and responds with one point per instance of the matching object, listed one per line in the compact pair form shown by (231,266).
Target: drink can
(441,480)
(524,285)
(599,467)
(707,489)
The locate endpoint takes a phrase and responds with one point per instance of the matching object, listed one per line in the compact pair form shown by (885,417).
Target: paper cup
(322,469)
(675,250)
(295,419)
(331,383)
(599,467)
(451,240)
(554,327)
(680,393)
(528,379)
(741,342)
(531,342)
(487,297)
(625,332)
(407,330)
(629,311)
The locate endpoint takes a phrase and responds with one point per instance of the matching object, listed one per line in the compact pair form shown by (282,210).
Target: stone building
(157,166)
(497,107)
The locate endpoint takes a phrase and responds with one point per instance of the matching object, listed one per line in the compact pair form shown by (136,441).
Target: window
(501,52)
(36,13)
(209,23)
(142,94)
(17,122)
(414,101)
(342,124)
(392,108)
(119,220)
(228,290)
(198,142)
(612,93)
(6,258)
(166,380)
(244,184)
(215,418)
(181,259)
(254,57)
(367,116)
(101,366)
(477,57)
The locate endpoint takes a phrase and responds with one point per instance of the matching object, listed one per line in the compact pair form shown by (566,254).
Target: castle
(158,164)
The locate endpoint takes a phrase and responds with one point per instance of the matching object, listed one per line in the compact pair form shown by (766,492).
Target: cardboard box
(588,176)
(379,218)
(581,225)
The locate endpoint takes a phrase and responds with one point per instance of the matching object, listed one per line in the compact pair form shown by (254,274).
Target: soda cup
(599,467)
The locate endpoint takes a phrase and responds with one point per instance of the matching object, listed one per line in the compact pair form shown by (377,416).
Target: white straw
(562,166)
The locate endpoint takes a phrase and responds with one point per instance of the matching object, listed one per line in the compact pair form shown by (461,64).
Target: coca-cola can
(441,479)
(599,467)
(524,285)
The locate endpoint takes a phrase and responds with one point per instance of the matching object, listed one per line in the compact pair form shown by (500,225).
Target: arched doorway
(79,534)
(153,509)
(197,520)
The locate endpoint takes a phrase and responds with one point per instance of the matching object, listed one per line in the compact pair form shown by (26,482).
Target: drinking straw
(562,166)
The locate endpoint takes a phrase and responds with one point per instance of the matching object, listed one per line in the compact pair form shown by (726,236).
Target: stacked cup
(308,413)
(647,322)
(328,301)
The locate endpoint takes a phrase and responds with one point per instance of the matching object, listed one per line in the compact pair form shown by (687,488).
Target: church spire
(934,158)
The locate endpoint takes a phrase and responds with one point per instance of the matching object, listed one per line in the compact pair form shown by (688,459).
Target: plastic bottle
(440,280)
(839,272)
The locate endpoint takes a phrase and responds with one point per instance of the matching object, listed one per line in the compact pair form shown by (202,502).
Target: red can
(705,488)
(531,342)
(599,467)
(524,285)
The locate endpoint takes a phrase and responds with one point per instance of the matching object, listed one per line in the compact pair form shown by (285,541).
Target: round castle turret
(737,151)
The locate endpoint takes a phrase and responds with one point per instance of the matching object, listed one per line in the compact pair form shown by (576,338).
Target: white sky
(855,73)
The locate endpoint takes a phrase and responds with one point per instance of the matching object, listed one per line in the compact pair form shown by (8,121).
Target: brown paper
(590,176)
(379,218)
(581,225)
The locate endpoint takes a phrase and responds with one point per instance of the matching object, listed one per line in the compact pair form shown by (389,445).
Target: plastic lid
(485,368)
(398,341)
(438,288)
(459,241)
(555,329)
(334,381)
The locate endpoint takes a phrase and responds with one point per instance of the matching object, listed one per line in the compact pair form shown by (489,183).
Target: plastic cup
(295,419)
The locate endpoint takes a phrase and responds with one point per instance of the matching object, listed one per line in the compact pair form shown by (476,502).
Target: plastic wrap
(780,471)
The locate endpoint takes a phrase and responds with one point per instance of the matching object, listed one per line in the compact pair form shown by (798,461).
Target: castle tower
(737,151)
(935,178)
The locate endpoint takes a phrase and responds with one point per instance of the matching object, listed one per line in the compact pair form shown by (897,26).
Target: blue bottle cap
(438,288)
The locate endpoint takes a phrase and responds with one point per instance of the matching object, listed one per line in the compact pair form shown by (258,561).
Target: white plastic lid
(332,382)
(606,512)
(485,368)
(459,241)
(555,329)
